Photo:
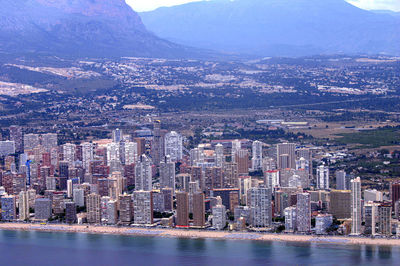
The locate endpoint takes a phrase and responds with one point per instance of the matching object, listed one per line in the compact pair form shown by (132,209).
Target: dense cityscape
(199,132)
(150,178)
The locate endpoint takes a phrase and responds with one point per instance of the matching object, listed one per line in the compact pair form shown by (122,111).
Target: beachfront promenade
(191,233)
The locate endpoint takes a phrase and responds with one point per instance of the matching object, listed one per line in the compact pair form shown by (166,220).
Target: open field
(336,130)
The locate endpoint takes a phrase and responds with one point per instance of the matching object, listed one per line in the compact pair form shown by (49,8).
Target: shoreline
(191,233)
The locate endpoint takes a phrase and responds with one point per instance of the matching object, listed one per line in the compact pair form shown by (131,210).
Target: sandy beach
(189,233)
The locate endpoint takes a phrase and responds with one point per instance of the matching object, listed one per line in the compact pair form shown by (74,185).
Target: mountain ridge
(81,28)
(277,27)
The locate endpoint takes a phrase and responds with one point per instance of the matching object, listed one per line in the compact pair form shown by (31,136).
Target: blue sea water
(41,248)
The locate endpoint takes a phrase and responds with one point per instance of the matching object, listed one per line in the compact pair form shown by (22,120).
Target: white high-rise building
(143,207)
(236,147)
(219,215)
(290,219)
(356,206)
(257,158)
(373,195)
(271,178)
(173,146)
(323,177)
(113,153)
(260,207)
(87,154)
(69,151)
(196,156)
(130,152)
(70,188)
(219,155)
(143,174)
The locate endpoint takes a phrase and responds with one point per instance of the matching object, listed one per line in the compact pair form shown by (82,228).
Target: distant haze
(147,5)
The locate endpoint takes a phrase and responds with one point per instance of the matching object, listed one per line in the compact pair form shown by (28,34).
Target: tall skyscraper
(219,215)
(385,219)
(213,178)
(242,161)
(260,206)
(43,209)
(141,146)
(93,208)
(167,173)
(130,153)
(356,206)
(117,135)
(197,175)
(156,145)
(16,136)
(340,201)
(370,216)
(196,156)
(182,209)
(173,146)
(322,177)
(198,209)
(113,153)
(143,207)
(236,146)
(231,175)
(87,155)
(286,156)
(219,155)
(290,219)
(306,154)
(303,212)
(49,141)
(69,151)
(70,212)
(143,174)
(257,158)
(31,141)
(112,212)
(341,180)
(168,198)
(8,208)
(394,192)
(79,196)
(125,208)
(23,205)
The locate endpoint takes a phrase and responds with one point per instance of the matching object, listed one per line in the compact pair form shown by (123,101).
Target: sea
(43,248)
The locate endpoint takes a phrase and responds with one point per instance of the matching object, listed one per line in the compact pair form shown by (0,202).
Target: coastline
(189,233)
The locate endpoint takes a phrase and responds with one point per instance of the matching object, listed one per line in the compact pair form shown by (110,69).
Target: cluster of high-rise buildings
(155,180)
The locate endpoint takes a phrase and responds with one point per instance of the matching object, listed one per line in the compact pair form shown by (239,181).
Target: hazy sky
(144,5)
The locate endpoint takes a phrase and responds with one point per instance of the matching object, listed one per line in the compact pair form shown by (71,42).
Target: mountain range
(278,27)
(78,28)
(110,28)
